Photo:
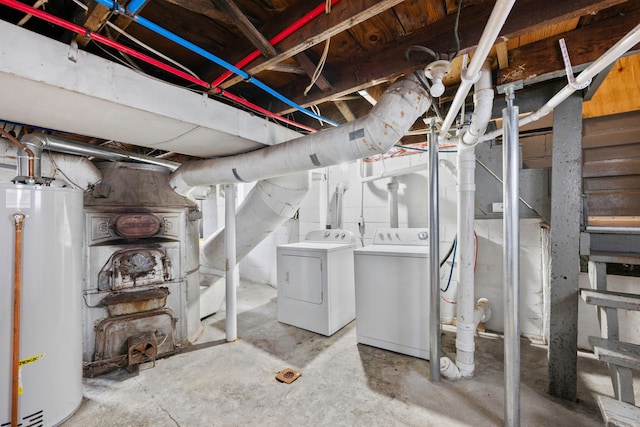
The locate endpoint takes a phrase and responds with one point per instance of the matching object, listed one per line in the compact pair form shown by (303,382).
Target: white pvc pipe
(465,345)
(231,320)
(396,172)
(466,165)
(340,189)
(497,19)
(631,39)
(392,201)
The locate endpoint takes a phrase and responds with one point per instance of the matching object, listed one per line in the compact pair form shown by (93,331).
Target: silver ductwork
(388,121)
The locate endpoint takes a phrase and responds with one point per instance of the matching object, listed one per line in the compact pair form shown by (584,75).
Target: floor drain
(288,375)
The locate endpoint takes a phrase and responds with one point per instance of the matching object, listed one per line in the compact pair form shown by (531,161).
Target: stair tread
(616,257)
(616,352)
(611,299)
(617,413)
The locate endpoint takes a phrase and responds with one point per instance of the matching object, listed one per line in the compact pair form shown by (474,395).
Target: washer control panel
(401,236)
(342,236)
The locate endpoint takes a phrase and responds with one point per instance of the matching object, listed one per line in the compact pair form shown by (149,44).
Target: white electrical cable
(319,67)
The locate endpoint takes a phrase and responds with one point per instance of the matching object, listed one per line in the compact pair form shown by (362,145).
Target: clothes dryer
(316,281)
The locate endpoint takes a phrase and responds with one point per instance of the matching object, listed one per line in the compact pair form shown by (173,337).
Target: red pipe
(141,56)
(317,11)
(259,109)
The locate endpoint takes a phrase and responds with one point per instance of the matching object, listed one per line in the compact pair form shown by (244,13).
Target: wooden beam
(246,27)
(585,45)
(202,8)
(387,63)
(309,67)
(345,110)
(343,16)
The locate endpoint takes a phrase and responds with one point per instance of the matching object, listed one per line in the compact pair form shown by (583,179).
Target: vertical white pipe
(465,345)
(323,195)
(434,260)
(392,201)
(231,321)
(511,256)
(340,188)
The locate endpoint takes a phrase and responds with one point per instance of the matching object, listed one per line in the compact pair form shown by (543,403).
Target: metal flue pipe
(31,164)
(511,257)
(62,145)
(17,284)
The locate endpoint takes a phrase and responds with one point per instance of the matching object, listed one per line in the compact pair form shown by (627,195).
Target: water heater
(50,355)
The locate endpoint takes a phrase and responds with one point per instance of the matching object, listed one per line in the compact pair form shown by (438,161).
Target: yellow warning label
(30,359)
(23,362)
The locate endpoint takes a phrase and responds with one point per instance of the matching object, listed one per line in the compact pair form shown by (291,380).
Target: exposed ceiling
(368,43)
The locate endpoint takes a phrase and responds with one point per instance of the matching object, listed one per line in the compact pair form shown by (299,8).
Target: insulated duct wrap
(266,207)
(396,111)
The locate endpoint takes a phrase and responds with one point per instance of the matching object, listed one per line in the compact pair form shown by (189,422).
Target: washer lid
(394,250)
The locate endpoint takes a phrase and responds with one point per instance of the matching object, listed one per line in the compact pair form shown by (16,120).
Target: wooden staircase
(622,357)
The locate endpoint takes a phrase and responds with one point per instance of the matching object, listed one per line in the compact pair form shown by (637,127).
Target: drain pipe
(392,201)
(470,75)
(466,163)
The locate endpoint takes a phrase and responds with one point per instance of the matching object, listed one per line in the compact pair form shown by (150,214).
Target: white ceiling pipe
(388,121)
(631,39)
(491,31)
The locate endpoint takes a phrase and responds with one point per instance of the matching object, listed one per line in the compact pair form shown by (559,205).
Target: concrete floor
(342,383)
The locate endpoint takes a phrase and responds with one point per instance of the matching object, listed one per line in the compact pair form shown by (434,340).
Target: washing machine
(316,281)
(392,291)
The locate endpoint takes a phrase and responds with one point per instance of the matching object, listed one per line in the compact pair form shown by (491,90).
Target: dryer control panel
(401,236)
(330,236)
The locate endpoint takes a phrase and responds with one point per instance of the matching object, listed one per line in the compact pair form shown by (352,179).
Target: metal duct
(388,121)
(63,145)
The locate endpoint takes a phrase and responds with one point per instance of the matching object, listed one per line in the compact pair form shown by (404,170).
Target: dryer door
(301,278)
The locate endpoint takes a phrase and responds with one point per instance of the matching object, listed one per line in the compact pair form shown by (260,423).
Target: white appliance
(316,281)
(392,291)
(50,354)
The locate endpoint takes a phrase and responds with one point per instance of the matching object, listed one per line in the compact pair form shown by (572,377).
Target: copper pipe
(17,278)
(16,141)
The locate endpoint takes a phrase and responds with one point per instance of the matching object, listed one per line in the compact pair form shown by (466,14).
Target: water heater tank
(51,291)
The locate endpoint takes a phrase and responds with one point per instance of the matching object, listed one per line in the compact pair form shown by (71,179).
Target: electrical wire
(449,252)
(453,261)
(319,67)
(456,34)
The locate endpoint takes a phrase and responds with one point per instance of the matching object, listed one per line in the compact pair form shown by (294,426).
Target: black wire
(455,31)
(446,257)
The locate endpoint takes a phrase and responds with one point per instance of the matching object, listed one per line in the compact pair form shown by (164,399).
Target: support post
(511,257)
(566,208)
(231,279)
(434,266)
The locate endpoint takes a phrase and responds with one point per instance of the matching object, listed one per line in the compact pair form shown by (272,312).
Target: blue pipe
(196,49)
(134,5)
